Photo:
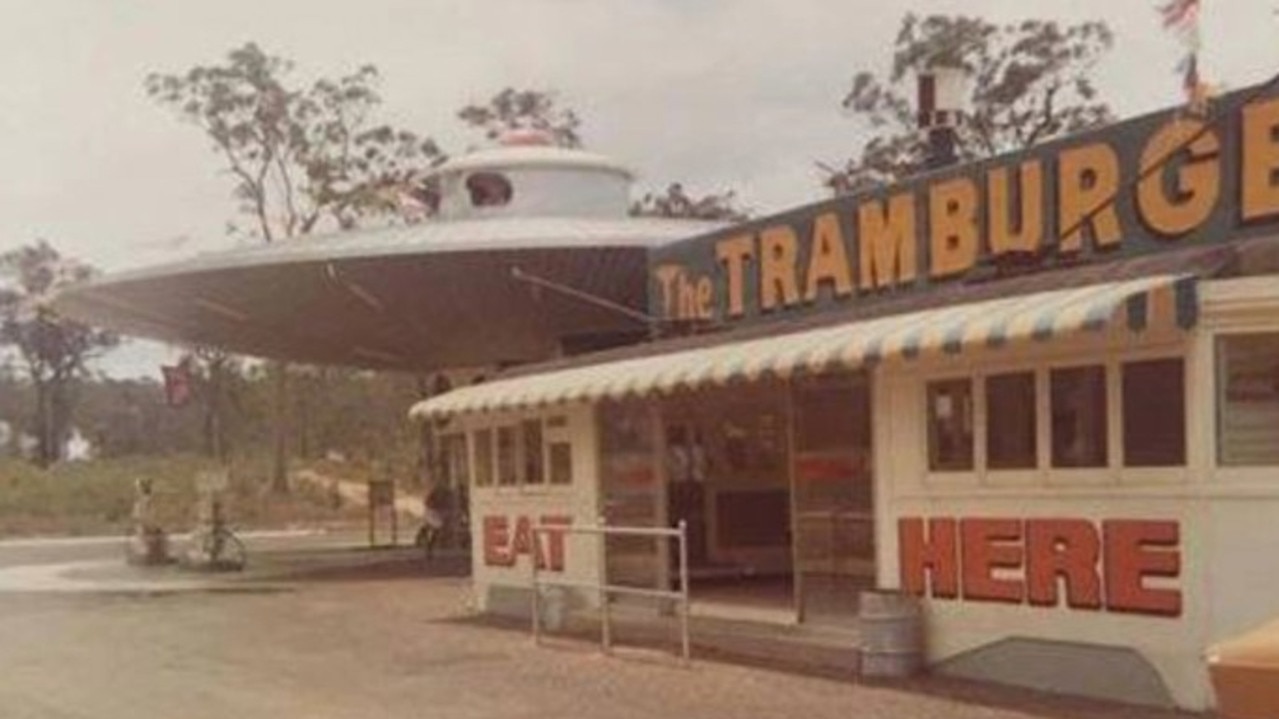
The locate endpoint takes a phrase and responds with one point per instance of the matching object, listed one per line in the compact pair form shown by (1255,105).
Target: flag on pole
(177,382)
(1179,13)
(1182,18)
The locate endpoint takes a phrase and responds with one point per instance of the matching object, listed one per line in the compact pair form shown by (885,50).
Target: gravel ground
(385,641)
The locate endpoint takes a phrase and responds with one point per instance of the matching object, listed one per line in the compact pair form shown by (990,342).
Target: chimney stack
(940,111)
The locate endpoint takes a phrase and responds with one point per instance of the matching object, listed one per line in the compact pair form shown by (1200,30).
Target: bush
(97,497)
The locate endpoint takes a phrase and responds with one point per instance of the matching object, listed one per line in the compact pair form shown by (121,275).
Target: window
(561,460)
(1154,397)
(950,425)
(1010,421)
(1248,400)
(1078,400)
(533,470)
(508,466)
(453,459)
(483,458)
(488,189)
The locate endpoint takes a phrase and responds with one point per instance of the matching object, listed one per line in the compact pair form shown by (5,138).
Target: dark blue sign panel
(1163,181)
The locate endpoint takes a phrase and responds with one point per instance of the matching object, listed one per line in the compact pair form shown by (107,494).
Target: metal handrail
(603,588)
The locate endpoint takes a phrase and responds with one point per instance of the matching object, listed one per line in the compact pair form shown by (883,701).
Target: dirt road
(387,641)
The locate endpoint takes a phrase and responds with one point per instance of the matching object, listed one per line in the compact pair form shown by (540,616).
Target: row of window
(1152,411)
(520,455)
(1152,416)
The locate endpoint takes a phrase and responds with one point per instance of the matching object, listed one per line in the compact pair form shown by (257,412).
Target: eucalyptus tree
(524,109)
(676,202)
(1028,82)
(300,157)
(52,351)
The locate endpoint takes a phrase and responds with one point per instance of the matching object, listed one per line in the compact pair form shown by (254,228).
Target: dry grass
(97,497)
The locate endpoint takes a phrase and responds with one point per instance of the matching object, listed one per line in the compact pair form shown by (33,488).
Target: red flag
(177,382)
(1179,12)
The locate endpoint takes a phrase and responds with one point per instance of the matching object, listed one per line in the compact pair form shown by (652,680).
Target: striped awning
(1136,304)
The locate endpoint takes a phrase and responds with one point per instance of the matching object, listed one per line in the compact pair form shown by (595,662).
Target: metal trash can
(892,634)
(553,604)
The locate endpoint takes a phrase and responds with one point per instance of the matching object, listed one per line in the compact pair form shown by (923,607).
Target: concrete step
(825,650)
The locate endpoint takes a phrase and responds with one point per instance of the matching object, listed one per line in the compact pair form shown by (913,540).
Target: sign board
(381,493)
(1117,565)
(1158,182)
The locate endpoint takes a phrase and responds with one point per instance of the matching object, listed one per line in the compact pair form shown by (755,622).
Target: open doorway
(727,467)
(773,480)
(834,508)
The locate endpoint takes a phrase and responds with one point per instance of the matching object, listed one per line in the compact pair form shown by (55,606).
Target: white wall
(905,488)
(578,500)
(543,191)
(1241,518)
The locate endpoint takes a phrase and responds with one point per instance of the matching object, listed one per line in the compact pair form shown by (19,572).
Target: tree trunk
(60,410)
(44,424)
(215,411)
(53,416)
(280,463)
(303,416)
(425,438)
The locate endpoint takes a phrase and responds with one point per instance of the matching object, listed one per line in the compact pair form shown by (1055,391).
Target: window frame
(930,434)
(516,456)
(1124,364)
(1107,418)
(482,454)
(551,429)
(1042,364)
(1216,345)
(528,427)
(985,421)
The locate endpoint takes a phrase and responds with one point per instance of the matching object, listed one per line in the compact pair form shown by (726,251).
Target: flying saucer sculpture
(447,293)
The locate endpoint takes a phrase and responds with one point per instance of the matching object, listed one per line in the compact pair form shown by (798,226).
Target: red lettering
(496,539)
(502,547)
(522,541)
(1134,550)
(934,556)
(988,546)
(1110,567)
(1067,549)
(553,557)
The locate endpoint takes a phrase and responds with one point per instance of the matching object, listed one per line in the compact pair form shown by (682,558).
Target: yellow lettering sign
(1022,231)
(952,227)
(734,252)
(778,251)
(1087,183)
(827,259)
(666,278)
(1260,198)
(1198,180)
(886,241)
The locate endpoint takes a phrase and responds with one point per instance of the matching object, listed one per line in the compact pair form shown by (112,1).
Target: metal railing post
(535,601)
(603,589)
(683,589)
(606,631)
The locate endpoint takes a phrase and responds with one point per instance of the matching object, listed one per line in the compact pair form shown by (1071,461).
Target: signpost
(382,498)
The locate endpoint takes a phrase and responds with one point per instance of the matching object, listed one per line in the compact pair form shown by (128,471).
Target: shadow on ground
(580,637)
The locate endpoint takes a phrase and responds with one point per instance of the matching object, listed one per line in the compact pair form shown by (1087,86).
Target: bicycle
(216,548)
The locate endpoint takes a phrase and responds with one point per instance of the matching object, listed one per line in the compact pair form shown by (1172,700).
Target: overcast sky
(721,94)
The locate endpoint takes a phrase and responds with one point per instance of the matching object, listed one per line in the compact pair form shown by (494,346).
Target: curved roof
(530,156)
(507,233)
(424,297)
